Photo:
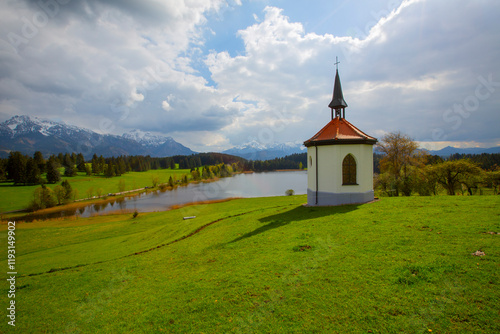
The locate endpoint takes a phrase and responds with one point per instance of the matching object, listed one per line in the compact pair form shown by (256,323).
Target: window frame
(349,170)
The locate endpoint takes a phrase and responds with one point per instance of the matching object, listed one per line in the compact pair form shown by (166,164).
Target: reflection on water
(241,185)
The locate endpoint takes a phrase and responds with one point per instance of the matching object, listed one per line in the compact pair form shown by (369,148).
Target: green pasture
(264,265)
(18,197)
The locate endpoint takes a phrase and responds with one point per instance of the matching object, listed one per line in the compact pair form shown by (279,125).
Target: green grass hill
(264,265)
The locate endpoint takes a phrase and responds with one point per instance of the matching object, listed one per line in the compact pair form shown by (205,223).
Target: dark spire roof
(338,98)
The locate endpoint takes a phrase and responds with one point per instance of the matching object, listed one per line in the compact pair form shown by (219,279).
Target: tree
(195,174)
(155,179)
(96,168)
(70,170)
(81,167)
(43,198)
(121,185)
(53,174)
(206,173)
(32,172)
(425,182)
(184,163)
(493,179)
(88,170)
(3,170)
(89,192)
(68,191)
(102,162)
(74,194)
(67,161)
(59,193)
(401,152)
(121,166)
(16,167)
(472,179)
(109,170)
(40,161)
(80,162)
(73,158)
(450,174)
(386,183)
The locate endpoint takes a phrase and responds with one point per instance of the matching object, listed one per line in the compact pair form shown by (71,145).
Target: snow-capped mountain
(161,146)
(146,138)
(28,134)
(22,125)
(257,151)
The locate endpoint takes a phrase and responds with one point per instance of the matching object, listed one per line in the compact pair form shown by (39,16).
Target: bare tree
(401,156)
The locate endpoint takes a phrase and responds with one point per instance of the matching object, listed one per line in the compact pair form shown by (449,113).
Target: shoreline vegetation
(84,179)
(113,198)
(103,200)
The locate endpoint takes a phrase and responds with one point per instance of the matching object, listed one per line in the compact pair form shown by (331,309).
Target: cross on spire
(337,62)
(338,103)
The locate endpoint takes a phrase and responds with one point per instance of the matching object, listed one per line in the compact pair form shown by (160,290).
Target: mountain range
(447,151)
(28,134)
(256,151)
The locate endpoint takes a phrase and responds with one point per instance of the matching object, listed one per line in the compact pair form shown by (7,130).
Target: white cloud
(166,106)
(136,97)
(102,59)
(132,61)
(414,64)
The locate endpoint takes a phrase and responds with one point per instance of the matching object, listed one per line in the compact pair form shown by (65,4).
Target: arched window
(349,170)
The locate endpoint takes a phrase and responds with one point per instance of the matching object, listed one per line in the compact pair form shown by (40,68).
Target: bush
(135,214)
(155,179)
(290,192)
(43,198)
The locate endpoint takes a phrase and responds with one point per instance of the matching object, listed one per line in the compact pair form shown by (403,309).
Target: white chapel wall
(330,159)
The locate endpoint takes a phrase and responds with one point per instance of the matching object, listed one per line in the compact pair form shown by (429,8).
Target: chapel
(339,159)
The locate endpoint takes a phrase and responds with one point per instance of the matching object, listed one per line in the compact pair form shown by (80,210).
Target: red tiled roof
(339,131)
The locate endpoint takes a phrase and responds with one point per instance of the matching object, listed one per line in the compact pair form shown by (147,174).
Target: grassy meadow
(19,197)
(264,265)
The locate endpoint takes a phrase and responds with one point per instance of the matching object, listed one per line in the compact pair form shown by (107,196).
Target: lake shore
(163,197)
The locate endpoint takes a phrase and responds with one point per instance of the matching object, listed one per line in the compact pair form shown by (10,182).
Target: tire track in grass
(198,230)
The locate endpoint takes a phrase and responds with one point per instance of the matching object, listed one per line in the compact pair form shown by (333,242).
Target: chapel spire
(338,103)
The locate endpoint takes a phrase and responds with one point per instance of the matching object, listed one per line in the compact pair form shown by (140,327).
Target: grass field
(264,265)
(18,197)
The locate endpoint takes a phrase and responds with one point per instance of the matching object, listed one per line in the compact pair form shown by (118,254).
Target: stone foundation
(326,198)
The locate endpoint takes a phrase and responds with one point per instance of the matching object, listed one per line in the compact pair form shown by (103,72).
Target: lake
(240,185)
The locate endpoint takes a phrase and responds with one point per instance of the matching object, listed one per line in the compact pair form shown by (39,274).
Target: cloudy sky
(219,73)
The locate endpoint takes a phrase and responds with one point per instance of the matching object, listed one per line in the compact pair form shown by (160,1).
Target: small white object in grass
(478,253)
(190,217)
